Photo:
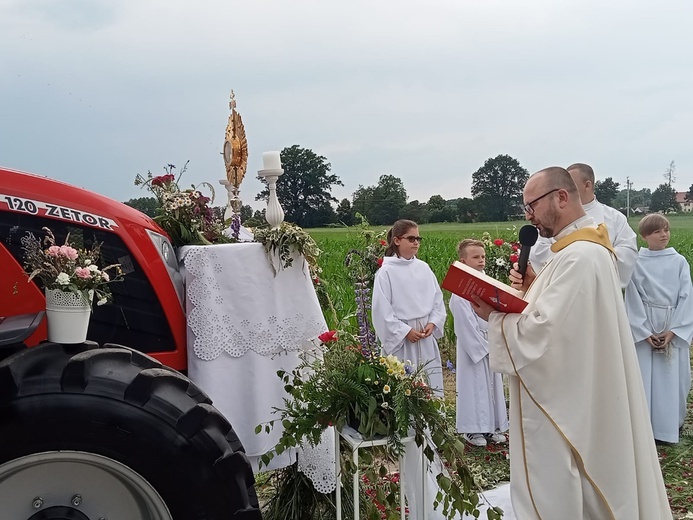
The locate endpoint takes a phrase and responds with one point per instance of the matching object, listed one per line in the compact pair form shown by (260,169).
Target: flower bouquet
(68,269)
(186,215)
(500,256)
(339,383)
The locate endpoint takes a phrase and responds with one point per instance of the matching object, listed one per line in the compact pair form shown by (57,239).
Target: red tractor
(108,429)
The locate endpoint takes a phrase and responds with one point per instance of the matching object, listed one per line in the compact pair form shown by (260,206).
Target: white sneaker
(475,439)
(495,438)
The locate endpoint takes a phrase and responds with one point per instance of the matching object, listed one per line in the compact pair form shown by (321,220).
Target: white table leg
(338,472)
(402,505)
(424,476)
(356,484)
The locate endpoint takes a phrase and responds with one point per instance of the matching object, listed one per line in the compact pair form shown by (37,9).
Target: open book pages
(466,281)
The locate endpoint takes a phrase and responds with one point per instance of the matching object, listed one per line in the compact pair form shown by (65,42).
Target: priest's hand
(519,282)
(482,309)
(428,330)
(414,335)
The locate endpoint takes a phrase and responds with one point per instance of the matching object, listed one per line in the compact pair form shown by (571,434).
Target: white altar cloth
(245,324)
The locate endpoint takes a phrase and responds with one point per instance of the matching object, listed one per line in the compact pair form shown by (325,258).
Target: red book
(465,281)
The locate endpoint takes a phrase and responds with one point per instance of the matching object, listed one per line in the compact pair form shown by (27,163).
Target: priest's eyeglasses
(529,209)
(413,239)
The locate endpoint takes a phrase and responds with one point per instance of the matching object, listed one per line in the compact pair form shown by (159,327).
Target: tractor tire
(89,432)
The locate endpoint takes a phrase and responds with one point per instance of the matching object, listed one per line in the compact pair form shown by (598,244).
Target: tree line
(305,193)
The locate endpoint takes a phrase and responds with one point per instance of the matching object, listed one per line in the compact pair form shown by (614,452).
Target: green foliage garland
(283,241)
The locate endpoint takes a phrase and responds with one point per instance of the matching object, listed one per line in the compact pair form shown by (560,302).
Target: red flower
(328,336)
(499,242)
(380,262)
(513,258)
(515,246)
(383,243)
(162,179)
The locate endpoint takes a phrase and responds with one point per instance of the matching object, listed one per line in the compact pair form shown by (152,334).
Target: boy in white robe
(660,310)
(481,412)
(622,236)
(581,445)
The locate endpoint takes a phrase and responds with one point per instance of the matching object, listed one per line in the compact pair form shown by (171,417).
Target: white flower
(102,301)
(500,262)
(87,262)
(91,267)
(63,279)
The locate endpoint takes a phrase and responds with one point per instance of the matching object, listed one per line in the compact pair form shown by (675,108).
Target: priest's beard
(547,226)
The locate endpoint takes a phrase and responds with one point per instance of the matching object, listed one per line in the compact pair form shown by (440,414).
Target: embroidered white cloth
(245,324)
(236,304)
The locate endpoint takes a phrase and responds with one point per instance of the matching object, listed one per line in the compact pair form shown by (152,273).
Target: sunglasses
(413,239)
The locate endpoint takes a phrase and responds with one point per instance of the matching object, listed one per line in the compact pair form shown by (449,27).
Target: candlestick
(274,214)
(271,161)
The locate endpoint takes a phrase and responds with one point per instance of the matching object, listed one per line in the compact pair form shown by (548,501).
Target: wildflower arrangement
(338,383)
(361,265)
(500,256)
(67,268)
(185,214)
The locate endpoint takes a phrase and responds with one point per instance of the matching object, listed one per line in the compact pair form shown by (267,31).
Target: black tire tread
(125,374)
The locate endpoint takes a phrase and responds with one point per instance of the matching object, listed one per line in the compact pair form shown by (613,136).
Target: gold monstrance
(235,158)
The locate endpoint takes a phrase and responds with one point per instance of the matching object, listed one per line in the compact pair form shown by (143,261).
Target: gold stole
(598,236)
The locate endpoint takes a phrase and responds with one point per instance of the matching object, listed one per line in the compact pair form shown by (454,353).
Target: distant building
(685,205)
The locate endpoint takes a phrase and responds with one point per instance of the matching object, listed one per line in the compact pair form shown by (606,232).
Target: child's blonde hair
(651,223)
(464,244)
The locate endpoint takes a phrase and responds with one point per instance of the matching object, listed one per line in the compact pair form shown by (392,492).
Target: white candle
(271,161)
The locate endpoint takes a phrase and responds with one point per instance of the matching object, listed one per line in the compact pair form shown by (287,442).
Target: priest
(622,236)
(581,444)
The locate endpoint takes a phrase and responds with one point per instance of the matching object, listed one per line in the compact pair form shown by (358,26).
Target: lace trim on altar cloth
(216,332)
(318,463)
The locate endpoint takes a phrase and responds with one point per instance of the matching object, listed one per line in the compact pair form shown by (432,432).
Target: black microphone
(528,237)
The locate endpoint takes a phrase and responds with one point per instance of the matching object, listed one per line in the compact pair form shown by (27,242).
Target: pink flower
(499,242)
(69,252)
(328,336)
(53,251)
(513,258)
(83,272)
(104,276)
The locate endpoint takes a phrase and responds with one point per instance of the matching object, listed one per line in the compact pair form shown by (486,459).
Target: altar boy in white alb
(622,237)
(660,310)
(481,412)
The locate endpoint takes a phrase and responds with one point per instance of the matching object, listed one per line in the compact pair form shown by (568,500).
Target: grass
(490,465)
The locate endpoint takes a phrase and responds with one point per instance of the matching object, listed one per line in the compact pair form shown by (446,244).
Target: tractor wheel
(110,433)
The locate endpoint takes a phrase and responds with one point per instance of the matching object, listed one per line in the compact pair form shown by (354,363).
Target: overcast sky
(93,92)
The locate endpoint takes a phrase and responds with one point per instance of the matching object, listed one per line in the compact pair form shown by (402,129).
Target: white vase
(68,315)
